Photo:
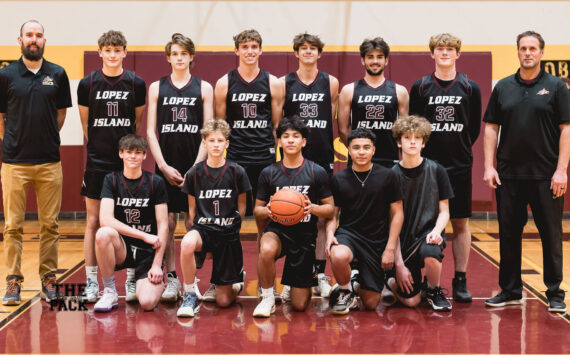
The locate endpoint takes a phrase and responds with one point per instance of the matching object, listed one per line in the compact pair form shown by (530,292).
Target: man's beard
(370,72)
(32,54)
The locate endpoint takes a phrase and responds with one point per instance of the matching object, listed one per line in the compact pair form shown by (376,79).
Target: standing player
(313,95)
(452,104)
(426,190)
(216,191)
(134,227)
(251,100)
(111,105)
(368,198)
(178,104)
(296,242)
(373,102)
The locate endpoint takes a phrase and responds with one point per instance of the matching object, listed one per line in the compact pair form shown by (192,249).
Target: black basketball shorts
(93,183)
(460,204)
(138,258)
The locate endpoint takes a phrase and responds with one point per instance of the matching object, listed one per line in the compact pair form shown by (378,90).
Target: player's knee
(188,245)
(92,222)
(267,250)
(340,255)
(172,223)
(224,300)
(411,302)
(371,302)
(147,304)
(104,236)
(300,305)
(430,262)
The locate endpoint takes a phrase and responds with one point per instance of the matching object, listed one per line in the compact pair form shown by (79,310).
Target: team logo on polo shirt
(543,92)
(47,81)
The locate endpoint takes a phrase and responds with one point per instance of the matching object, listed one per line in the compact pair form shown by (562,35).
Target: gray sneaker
(131,291)
(49,291)
(189,306)
(172,291)
(12,295)
(91,292)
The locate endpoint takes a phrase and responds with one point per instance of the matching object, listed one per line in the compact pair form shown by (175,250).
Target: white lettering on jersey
(144,228)
(447,127)
(111,95)
(308,97)
(442,99)
(184,101)
(179,128)
(217,221)
(215,193)
(304,189)
(132,202)
(111,122)
(374,98)
(250,124)
(375,125)
(317,124)
(244,97)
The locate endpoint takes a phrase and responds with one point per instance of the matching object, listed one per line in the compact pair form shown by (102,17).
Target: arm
(84,116)
(330,227)
(277,88)
(404,277)
(262,215)
(344,102)
(242,203)
(191,209)
(491,177)
(208,114)
(334,95)
(434,237)
(396,222)
(2,125)
(560,178)
(173,176)
(61,117)
(155,274)
(403,100)
(107,219)
(139,112)
(324,210)
(220,93)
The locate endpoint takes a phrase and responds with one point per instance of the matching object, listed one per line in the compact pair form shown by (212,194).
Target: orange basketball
(287,206)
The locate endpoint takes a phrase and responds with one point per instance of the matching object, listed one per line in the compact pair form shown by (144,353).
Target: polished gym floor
(470,328)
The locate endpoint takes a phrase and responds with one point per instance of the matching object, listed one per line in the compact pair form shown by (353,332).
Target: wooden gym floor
(470,328)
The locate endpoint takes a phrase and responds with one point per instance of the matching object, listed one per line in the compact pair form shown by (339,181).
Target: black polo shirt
(529,115)
(30,102)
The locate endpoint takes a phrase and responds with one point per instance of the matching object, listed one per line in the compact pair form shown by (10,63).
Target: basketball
(287,206)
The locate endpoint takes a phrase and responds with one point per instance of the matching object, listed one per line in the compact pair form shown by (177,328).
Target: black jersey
(135,201)
(216,192)
(422,188)
(248,111)
(454,111)
(112,107)
(313,104)
(179,118)
(310,179)
(364,199)
(376,109)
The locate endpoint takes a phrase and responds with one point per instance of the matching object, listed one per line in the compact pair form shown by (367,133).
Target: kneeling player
(134,227)
(426,190)
(217,190)
(296,242)
(369,200)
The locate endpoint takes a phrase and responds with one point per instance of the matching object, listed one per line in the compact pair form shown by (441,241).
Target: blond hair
(215,125)
(444,40)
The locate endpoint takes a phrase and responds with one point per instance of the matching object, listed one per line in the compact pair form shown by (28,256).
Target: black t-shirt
(178,122)
(248,111)
(376,109)
(30,102)
(453,108)
(135,201)
(310,179)
(422,188)
(365,210)
(529,116)
(313,104)
(216,192)
(112,102)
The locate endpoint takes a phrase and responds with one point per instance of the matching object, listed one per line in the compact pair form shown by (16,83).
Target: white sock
(130,274)
(91,273)
(190,288)
(321,276)
(430,286)
(348,286)
(265,292)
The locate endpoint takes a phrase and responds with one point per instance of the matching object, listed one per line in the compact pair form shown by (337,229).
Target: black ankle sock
(459,274)
(172,274)
(320,266)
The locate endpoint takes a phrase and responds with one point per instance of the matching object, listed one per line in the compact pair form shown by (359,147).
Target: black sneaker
(460,291)
(557,305)
(12,295)
(504,299)
(437,300)
(49,292)
(342,301)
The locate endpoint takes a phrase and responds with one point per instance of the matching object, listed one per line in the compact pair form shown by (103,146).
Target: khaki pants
(47,180)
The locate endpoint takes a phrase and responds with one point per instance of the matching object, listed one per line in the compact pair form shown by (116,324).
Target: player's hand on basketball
(330,242)
(269,214)
(491,178)
(155,274)
(404,279)
(308,205)
(558,183)
(434,238)
(153,240)
(173,176)
(387,259)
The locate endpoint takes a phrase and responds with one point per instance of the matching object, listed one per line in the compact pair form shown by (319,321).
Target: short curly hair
(411,124)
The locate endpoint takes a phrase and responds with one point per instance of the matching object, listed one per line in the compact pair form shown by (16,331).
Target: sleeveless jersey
(178,122)
(376,109)
(135,207)
(111,116)
(313,104)
(310,179)
(217,197)
(447,109)
(248,111)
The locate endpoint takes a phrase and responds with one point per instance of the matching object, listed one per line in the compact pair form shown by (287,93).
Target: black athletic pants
(513,196)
